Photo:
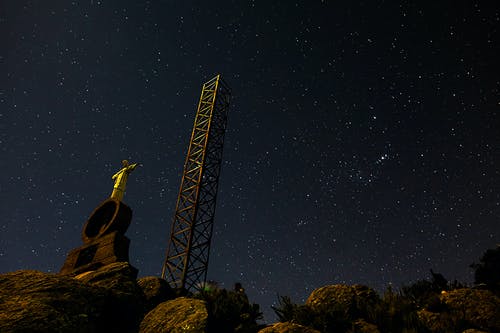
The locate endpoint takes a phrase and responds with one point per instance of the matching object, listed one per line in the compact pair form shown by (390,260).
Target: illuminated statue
(121,179)
(103,235)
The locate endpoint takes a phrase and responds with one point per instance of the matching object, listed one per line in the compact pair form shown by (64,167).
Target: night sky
(363,141)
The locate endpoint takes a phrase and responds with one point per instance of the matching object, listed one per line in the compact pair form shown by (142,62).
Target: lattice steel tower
(186,260)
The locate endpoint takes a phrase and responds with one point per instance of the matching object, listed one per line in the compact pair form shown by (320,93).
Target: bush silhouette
(230,311)
(322,318)
(488,269)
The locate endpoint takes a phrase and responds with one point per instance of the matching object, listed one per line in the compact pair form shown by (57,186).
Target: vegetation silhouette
(425,306)
(229,310)
(487,271)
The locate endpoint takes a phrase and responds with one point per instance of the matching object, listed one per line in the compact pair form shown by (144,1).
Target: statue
(121,179)
(103,235)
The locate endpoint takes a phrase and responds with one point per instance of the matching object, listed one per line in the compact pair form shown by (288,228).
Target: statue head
(125,163)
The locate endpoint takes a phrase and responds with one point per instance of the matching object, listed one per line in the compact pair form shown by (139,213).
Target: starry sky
(362,144)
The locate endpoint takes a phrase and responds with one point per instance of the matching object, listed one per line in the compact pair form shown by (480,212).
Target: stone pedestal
(103,251)
(103,237)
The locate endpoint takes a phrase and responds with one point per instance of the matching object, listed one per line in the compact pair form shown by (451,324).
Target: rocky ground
(111,299)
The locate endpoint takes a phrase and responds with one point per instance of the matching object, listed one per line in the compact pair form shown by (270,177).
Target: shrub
(322,318)
(396,313)
(230,311)
(488,270)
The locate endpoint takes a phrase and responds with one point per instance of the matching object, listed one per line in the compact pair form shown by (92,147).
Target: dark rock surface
(107,299)
(481,308)
(110,299)
(156,290)
(472,308)
(287,327)
(32,301)
(127,301)
(361,326)
(120,278)
(355,300)
(178,315)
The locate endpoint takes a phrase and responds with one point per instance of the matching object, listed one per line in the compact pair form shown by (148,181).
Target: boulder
(127,301)
(464,308)
(361,326)
(118,277)
(355,301)
(156,290)
(434,321)
(287,327)
(480,308)
(178,315)
(107,299)
(32,301)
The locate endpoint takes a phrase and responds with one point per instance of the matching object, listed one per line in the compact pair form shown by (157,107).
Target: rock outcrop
(361,326)
(481,308)
(155,290)
(287,327)
(335,308)
(105,299)
(110,299)
(31,301)
(474,308)
(178,315)
(353,300)
(127,300)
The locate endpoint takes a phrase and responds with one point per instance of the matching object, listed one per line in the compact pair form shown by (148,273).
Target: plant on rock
(230,311)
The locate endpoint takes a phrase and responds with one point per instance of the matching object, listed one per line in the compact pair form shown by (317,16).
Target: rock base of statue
(103,237)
